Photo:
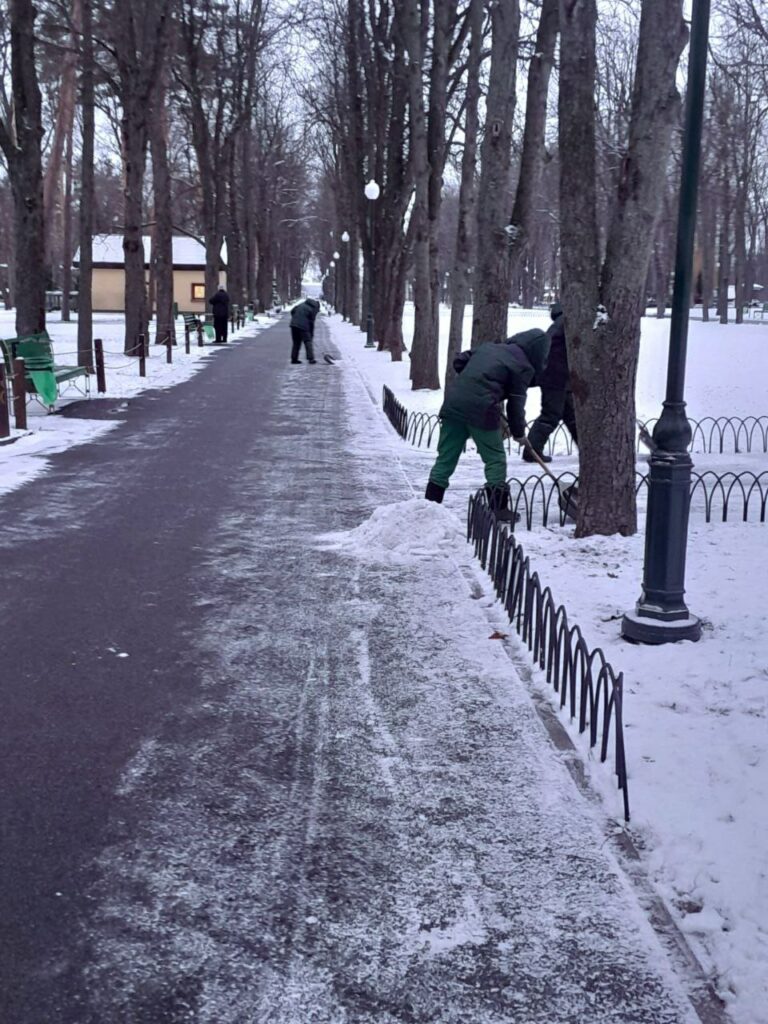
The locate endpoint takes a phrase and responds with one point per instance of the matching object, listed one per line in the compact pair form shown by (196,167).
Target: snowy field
(695,714)
(48,433)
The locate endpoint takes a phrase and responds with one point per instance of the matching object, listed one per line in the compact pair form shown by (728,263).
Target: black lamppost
(345,277)
(372,193)
(336,268)
(661,615)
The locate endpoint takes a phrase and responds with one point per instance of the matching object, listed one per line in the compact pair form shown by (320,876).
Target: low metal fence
(586,683)
(712,435)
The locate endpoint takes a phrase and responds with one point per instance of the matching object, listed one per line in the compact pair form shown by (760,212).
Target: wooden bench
(43,377)
(192,322)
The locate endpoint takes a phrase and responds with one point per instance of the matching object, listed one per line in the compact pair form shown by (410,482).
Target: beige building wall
(109,290)
(183,280)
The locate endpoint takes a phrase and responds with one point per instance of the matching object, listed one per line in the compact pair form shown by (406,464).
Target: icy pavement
(363,820)
(321,794)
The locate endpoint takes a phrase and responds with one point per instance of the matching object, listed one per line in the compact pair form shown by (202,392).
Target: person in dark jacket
(556,394)
(219,303)
(303,329)
(487,376)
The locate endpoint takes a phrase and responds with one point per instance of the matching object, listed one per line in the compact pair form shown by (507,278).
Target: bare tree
(603,308)
(491,281)
(21,132)
(467,194)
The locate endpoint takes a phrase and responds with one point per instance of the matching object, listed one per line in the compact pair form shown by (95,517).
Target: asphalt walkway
(248,778)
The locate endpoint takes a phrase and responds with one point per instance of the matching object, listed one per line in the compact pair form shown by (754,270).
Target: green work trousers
(453,436)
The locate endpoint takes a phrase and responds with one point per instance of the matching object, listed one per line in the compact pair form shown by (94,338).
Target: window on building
(198,293)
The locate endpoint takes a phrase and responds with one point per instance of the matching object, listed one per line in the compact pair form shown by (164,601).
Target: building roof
(187,252)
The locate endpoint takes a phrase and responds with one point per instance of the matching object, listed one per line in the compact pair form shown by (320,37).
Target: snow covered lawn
(695,714)
(26,457)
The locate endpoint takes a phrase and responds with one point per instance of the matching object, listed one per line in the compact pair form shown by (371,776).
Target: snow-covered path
(314,791)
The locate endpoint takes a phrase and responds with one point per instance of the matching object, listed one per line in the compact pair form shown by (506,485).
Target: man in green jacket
(487,376)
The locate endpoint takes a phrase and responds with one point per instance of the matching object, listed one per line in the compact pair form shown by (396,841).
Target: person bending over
(303,329)
(487,376)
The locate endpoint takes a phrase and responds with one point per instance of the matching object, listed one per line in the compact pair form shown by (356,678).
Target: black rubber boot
(434,492)
(528,457)
(498,502)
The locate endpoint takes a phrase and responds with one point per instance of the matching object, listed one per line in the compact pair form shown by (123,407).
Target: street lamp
(345,277)
(372,193)
(336,258)
(661,615)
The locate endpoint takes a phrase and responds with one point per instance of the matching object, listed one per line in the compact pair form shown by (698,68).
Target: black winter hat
(555,310)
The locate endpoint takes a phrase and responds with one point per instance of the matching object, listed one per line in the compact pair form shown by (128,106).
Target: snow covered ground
(695,714)
(26,457)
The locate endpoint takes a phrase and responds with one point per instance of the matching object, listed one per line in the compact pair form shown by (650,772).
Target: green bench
(192,322)
(44,378)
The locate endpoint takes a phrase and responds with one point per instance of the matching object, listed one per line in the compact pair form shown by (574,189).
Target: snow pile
(403,533)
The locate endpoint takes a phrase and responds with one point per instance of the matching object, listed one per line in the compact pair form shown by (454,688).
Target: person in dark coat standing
(303,329)
(489,375)
(556,394)
(219,303)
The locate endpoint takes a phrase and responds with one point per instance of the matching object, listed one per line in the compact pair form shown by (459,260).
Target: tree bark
(459,287)
(532,157)
(491,281)
(604,359)
(21,141)
(162,245)
(62,132)
(85,276)
(67,254)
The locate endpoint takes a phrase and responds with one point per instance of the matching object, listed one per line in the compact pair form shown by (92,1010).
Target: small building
(188,273)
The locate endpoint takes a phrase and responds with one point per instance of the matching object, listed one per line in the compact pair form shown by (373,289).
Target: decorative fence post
(5,423)
(199,334)
(101,378)
(142,356)
(186,340)
(168,348)
(19,394)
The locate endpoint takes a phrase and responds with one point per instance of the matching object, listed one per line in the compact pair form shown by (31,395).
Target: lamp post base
(369,342)
(642,629)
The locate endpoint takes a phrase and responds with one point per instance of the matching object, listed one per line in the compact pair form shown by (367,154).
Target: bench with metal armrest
(43,376)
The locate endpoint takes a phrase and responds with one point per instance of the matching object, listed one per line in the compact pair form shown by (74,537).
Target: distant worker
(556,394)
(489,375)
(303,329)
(220,306)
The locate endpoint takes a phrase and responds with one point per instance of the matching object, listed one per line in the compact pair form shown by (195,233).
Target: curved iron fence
(586,683)
(721,435)
(717,497)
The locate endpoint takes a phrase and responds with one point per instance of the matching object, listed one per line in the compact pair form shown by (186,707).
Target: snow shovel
(567,496)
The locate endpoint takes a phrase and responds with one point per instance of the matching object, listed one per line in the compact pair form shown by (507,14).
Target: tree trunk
(604,359)
(62,132)
(66,270)
(423,361)
(134,140)
(459,287)
(85,276)
(162,247)
(21,141)
(723,276)
(491,280)
(532,157)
